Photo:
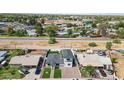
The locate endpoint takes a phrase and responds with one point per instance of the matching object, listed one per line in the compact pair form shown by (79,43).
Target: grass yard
(57,73)
(46,73)
(10,73)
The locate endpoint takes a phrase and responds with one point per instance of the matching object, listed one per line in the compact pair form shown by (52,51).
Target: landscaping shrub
(93,44)
(117,41)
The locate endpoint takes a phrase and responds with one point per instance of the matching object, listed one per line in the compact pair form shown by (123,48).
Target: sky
(62,6)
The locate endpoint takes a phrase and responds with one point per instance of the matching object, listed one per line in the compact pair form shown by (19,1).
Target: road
(33,39)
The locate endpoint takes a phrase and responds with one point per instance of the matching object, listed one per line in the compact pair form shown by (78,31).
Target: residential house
(67,57)
(55,60)
(29,61)
(2,55)
(94,60)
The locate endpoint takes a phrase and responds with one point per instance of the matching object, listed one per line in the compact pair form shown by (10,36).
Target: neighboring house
(55,60)
(67,57)
(2,58)
(30,61)
(117,54)
(31,32)
(56,22)
(61,33)
(94,60)
(2,55)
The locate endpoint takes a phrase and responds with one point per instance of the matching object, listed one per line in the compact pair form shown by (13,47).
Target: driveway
(72,72)
(31,75)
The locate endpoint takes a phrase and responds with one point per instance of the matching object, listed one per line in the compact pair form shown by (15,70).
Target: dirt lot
(60,44)
(119,68)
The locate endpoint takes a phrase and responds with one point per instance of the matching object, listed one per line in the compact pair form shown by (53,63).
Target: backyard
(57,73)
(46,72)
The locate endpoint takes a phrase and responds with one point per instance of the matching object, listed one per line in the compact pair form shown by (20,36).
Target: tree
(117,41)
(10,30)
(2,31)
(120,25)
(94,24)
(83,32)
(51,30)
(102,27)
(52,40)
(42,21)
(120,33)
(92,44)
(39,29)
(114,60)
(20,33)
(88,71)
(108,45)
(69,25)
(70,32)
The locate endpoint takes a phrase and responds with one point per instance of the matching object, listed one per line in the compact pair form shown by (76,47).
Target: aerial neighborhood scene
(61,47)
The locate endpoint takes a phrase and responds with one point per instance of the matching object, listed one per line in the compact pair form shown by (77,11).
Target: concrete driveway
(31,75)
(72,72)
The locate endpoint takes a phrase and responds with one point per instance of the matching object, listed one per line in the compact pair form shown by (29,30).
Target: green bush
(93,44)
(52,40)
(114,60)
(108,45)
(88,71)
(117,41)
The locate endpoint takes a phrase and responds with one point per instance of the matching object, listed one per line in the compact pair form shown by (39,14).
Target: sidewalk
(52,73)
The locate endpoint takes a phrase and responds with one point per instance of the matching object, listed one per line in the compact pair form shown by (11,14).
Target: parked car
(102,72)
(38,70)
(25,71)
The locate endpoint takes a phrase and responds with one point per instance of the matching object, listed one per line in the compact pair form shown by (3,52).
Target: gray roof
(54,59)
(67,53)
(2,53)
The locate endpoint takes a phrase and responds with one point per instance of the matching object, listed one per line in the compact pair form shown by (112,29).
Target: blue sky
(62,6)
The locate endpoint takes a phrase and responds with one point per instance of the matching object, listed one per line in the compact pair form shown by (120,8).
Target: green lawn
(46,73)
(10,73)
(57,73)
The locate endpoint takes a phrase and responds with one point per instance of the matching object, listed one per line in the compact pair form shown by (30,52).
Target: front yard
(46,73)
(57,73)
(10,73)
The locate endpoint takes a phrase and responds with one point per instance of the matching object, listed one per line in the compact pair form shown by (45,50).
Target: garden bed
(46,73)
(57,73)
